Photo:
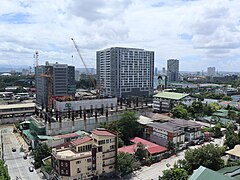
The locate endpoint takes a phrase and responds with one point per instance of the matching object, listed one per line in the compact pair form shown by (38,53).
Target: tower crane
(91,79)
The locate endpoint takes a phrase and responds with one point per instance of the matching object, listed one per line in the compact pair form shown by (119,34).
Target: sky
(200,33)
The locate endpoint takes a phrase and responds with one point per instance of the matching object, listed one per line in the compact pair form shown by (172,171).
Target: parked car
(14,150)
(200,142)
(195,141)
(31,169)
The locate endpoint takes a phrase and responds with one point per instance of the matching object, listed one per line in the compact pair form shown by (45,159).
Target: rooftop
(235,151)
(166,126)
(158,117)
(102,132)
(185,123)
(67,153)
(43,137)
(81,140)
(151,147)
(203,173)
(64,136)
(171,95)
(144,120)
(20,105)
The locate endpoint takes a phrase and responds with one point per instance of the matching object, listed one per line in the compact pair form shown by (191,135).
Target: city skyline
(199,33)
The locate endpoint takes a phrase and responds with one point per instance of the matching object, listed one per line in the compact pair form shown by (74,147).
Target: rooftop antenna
(35,56)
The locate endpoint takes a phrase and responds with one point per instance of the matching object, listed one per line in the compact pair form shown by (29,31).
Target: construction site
(61,110)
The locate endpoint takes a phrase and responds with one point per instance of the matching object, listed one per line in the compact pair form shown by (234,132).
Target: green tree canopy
(42,151)
(226,98)
(196,108)
(174,174)
(127,127)
(125,163)
(179,111)
(3,171)
(141,152)
(217,130)
(231,138)
(208,156)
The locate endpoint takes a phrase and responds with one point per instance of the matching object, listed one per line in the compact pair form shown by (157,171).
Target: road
(18,167)
(156,170)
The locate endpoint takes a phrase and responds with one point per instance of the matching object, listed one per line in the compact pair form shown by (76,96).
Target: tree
(208,156)
(226,98)
(196,108)
(141,152)
(48,167)
(129,126)
(232,114)
(180,112)
(42,151)
(170,145)
(3,171)
(231,138)
(125,163)
(217,131)
(174,174)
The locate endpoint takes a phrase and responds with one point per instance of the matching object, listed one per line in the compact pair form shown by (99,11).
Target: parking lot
(18,167)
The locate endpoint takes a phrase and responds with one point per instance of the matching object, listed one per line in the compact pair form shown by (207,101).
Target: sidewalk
(22,142)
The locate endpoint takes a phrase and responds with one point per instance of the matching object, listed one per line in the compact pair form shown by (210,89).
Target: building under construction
(54,81)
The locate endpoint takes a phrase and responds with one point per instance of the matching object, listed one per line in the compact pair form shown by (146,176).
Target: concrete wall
(70,126)
(158,140)
(85,104)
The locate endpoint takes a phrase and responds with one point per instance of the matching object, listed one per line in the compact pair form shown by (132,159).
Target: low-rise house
(87,157)
(234,154)
(152,148)
(192,130)
(165,101)
(176,130)
(161,133)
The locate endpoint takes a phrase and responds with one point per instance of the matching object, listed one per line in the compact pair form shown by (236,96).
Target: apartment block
(62,81)
(125,72)
(87,157)
(165,101)
(173,70)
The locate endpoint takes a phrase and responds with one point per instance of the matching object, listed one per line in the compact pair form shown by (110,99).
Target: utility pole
(2,145)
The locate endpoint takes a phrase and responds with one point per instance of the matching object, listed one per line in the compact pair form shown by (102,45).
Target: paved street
(17,166)
(156,170)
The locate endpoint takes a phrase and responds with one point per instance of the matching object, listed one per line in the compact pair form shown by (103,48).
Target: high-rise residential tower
(62,82)
(173,70)
(125,72)
(211,71)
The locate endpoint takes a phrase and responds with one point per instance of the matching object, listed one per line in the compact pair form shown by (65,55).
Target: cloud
(200,33)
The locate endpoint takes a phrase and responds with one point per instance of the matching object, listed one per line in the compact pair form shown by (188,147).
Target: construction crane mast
(48,76)
(91,79)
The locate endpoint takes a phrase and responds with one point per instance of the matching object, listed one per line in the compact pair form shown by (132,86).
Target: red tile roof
(81,140)
(102,133)
(63,145)
(128,149)
(70,135)
(151,147)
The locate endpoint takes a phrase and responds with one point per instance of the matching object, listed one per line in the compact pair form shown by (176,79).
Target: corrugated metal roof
(203,173)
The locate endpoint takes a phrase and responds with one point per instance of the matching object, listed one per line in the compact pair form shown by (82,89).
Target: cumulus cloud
(199,32)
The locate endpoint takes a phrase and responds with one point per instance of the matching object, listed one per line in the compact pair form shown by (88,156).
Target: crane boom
(76,46)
